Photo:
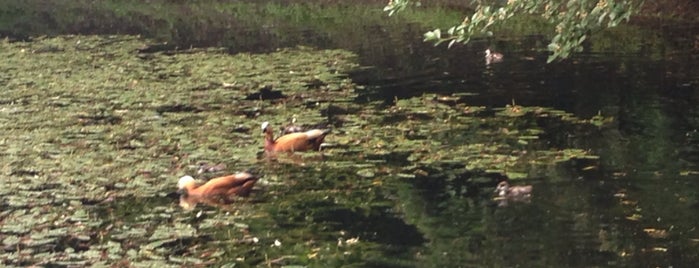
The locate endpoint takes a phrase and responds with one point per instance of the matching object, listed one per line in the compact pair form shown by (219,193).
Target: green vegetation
(193,22)
(242,26)
(572,21)
(224,23)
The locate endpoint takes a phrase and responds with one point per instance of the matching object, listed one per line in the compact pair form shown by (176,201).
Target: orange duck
(293,142)
(215,190)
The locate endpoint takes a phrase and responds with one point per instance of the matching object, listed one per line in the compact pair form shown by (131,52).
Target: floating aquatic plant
(97,129)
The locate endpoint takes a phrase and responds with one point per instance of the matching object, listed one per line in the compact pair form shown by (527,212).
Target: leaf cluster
(572,21)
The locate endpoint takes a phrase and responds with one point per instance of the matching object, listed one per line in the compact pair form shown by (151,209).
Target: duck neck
(187,189)
(190,187)
(269,141)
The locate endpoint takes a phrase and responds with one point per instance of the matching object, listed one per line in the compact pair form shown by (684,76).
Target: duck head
(265,126)
(185,183)
(502,188)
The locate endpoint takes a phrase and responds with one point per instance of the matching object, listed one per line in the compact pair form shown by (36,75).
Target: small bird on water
(290,128)
(492,57)
(512,193)
(206,167)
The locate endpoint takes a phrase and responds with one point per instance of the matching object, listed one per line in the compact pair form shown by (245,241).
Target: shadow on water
(636,208)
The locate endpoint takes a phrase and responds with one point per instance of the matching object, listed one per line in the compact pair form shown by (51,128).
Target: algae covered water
(98,128)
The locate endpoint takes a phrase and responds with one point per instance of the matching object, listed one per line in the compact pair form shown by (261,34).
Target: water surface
(635,206)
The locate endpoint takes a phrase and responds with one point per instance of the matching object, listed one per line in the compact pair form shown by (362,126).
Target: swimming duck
(206,167)
(290,129)
(492,57)
(222,187)
(507,193)
(299,141)
(504,190)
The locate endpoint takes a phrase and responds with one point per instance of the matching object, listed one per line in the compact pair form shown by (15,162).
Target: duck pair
(221,189)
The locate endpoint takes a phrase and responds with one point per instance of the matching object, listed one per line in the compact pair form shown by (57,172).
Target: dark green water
(635,207)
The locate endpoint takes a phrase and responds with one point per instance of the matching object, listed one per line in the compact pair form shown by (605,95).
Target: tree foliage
(572,20)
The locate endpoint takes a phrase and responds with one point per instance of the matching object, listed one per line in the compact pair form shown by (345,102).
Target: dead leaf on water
(656,233)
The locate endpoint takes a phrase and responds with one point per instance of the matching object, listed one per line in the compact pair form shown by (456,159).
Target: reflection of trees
(650,122)
(463,225)
(573,223)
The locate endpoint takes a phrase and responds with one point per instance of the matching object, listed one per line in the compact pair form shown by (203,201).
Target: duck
(206,167)
(492,57)
(290,129)
(238,184)
(293,142)
(506,191)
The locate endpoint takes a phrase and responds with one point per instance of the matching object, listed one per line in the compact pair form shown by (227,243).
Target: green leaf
(453,41)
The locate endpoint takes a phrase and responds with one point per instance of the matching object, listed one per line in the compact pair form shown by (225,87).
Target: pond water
(629,200)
